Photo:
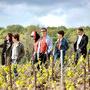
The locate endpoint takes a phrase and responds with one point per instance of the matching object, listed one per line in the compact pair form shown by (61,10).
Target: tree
(62,28)
(15,28)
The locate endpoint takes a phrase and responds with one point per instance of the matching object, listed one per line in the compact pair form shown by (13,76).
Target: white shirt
(14,51)
(78,41)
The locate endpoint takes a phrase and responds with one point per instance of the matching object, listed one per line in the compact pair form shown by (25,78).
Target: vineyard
(44,45)
(47,77)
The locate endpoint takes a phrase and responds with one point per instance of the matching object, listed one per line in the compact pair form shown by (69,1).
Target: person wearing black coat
(80,46)
(6,49)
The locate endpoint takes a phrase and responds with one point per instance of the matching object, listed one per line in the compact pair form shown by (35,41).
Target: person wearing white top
(80,46)
(17,49)
(17,52)
(78,41)
(14,52)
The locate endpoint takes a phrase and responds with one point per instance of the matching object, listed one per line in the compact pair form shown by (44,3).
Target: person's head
(80,31)
(9,37)
(44,32)
(35,36)
(15,37)
(60,34)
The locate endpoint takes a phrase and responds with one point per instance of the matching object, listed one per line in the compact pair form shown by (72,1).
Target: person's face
(7,37)
(33,37)
(13,39)
(59,36)
(44,33)
(79,32)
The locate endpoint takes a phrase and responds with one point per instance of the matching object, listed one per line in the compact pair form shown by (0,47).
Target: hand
(46,53)
(34,53)
(79,50)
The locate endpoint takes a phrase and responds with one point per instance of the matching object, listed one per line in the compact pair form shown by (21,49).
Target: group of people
(43,45)
(12,49)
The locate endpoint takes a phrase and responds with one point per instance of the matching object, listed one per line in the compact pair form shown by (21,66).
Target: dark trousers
(35,59)
(78,55)
(43,57)
(57,55)
(14,67)
(15,71)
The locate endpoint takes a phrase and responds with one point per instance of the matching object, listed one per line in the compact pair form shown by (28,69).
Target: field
(48,77)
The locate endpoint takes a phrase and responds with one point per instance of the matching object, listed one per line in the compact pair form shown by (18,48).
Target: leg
(35,58)
(77,57)
(44,58)
(15,71)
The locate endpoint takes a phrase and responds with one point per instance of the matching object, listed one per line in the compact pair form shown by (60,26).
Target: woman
(36,38)
(17,52)
(61,44)
(17,49)
(6,52)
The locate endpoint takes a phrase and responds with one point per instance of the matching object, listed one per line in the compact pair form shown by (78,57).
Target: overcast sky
(45,12)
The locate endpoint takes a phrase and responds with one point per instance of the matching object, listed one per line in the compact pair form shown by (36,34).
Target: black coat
(82,45)
(6,51)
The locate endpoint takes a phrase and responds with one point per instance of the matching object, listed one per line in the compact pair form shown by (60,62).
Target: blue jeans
(14,67)
(57,56)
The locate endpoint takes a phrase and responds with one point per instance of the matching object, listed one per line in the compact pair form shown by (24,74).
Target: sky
(70,13)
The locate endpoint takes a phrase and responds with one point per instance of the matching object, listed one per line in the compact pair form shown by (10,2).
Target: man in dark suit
(80,46)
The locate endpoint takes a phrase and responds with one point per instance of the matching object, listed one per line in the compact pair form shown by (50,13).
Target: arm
(75,46)
(85,39)
(49,44)
(67,46)
(64,45)
(21,51)
(38,51)
(1,46)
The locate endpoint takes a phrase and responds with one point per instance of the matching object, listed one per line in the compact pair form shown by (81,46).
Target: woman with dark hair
(17,52)
(60,45)
(17,49)
(6,52)
(36,38)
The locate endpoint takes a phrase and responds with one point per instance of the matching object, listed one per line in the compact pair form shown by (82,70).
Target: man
(80,46)
(45,46)
(61,44)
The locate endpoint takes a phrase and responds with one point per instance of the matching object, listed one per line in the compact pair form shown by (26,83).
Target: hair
(80,29)
(44,28)
(37,36)
(61,32)
(10,36)
(16,36)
